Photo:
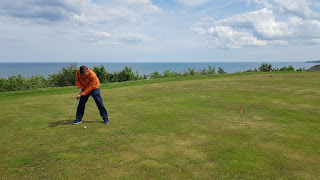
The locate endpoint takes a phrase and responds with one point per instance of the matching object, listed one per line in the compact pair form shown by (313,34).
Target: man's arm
(92,84)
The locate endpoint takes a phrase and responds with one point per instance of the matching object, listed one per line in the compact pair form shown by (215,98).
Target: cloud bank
(278,23)
(85,15)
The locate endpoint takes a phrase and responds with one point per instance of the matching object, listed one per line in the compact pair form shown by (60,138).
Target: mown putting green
(168,129)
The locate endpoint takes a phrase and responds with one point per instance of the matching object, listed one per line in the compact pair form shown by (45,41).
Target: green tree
(65,77)
(101,73)
(221,71)
(126,75)
(265,67)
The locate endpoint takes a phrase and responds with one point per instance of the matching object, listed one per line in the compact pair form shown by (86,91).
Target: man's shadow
(70,122)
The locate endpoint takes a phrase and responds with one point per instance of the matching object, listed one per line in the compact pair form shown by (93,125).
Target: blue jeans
(97,98)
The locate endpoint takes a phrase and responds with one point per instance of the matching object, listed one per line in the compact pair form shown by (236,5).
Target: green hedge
(66,76)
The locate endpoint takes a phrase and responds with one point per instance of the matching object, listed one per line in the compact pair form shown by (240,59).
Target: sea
(45,69)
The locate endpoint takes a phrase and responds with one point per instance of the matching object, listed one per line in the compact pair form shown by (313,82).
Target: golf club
(72,108)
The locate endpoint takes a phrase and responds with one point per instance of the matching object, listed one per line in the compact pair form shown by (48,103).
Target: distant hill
(318,61)
(315,68)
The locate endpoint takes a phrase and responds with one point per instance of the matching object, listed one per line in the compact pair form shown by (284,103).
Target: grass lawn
(186,128)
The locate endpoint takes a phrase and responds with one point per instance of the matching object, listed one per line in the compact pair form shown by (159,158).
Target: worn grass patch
(168,129)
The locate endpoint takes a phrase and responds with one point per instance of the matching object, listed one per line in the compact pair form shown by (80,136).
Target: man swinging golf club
(89,84)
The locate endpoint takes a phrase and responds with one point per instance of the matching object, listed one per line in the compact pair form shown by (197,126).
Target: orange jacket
(88,83)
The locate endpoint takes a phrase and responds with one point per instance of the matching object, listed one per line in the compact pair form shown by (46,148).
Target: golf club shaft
(72,108)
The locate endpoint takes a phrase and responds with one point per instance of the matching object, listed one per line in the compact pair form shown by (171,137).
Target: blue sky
(159,31)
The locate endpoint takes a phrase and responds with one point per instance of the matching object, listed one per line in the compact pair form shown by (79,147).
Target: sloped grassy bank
(69,89)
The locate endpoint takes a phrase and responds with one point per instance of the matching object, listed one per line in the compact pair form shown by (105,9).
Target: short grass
(185,128)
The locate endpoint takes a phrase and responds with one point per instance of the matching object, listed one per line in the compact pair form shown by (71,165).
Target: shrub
(221,71)
(101,73)
(113,77)
(168,73)
(186,73)
(126,75)
(155,75)
(138,77)
(203,72)
(255,70)
(19,83)
(15,83)
(265,67)
(35,82)
(211,70)
(65,77)
(3,85)
(145,76)
(192,72)
(289,68)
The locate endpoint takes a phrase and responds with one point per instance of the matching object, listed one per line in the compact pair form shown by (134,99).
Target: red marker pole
(241,115)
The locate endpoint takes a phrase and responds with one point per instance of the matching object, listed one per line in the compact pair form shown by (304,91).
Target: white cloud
(205,22)
(226,37)
(299,8)
(43,10)
(65,16)
(261,22)
(262,27)
(82,11)
(296,7)
(316,41)
(199,30)
(96,14)
(305,29)
(106,38)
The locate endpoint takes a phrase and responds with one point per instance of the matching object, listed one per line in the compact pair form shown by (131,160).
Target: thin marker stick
(241,115)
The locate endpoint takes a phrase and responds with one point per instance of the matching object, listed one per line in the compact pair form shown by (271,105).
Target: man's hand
(80,91)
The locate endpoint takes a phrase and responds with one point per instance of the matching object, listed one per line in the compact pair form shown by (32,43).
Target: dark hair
(83,69)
